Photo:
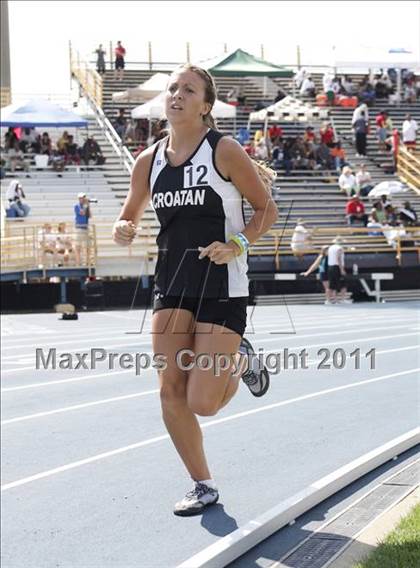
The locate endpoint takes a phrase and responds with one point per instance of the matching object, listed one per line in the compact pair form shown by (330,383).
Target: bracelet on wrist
(241,240)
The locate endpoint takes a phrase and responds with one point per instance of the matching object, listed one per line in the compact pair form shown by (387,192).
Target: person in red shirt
(355,211)
(119,61)
(327,135)
(275,132)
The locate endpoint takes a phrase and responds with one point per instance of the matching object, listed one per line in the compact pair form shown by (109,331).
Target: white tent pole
(398,86)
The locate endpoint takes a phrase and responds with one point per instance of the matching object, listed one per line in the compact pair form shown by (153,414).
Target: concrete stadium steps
(291,299)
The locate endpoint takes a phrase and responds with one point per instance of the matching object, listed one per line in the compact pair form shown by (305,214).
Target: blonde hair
(265,173)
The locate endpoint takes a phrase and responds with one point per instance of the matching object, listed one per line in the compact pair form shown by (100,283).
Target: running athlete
(196,179)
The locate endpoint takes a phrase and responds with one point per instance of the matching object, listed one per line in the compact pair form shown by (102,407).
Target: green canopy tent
(239,63)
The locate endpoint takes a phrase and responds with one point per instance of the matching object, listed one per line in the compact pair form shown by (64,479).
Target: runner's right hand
(123,232)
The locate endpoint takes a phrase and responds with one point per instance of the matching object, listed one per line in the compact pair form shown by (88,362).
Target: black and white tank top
(195,206)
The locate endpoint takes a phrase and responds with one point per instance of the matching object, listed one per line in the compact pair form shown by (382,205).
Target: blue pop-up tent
(36,112)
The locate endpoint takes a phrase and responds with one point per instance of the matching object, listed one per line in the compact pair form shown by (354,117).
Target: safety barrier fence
(408,167)
(26,246)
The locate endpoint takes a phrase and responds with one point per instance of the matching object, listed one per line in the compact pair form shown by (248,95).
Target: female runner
(196,179)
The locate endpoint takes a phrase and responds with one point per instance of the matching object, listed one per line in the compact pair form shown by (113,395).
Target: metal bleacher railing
(408,168)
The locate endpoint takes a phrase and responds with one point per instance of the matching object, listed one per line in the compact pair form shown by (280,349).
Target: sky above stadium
(40,32)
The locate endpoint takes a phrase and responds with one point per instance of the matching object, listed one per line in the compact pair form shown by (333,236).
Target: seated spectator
(407,215)
(249,148)
(355,211)
(64,246)
(130,135)
(327,81)
(16,159)
(280,96)
(261,150)
(366,92)
(232,95)
(301,238)
(73,152)
(339,156)
(242,135)
(275,132)
(46,144)
(62,143)
(299,77)
(120,124)
(140,148)
(391,217)
(10,139)
(241,96)
(58,161)
(347,182)
(27,137)
(377,214)
(258,135)
(309,136)
(288,155)
(385,201)
(363,181)
(348,86)
(92,151)
(326,133)
(36,144)
(323,157)
(410,93)
(381,90)
(277,154)
(409,132)
(14,196)
(308,88)
(47,244)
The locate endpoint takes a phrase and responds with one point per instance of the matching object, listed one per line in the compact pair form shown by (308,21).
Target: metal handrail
(408,168)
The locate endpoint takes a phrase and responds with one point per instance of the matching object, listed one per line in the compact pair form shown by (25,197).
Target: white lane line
(261,337)
(150,353)
(72,465)
(79,406)
(142,393)
(83,333)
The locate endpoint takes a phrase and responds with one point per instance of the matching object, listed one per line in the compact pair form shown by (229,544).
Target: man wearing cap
(82,216)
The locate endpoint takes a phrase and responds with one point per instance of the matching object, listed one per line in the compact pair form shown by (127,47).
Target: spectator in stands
(2,164)
(299,77)
(347,182)
(348,86)
(47,245)
(366,92)
(14,196)
(258,135)
(321,263)
(309,136)
(385,200)
(410,93)
(323,157)
(73,152)
(363,181)
(301,239)
(308,88)
(46,144)
(243,136)
(58,161)
(119,61)
(261,150)
(326,133)
(336,272)
(64,246)
(120,124)
(339,156)
(280,96)
(92,151)
(36,145)
(327,81)
(355,211)
(407,215)
(232,95)
(392,144)
(100,59)
(381,131)
(381,90)
(377,215)
(288,155)
(241,96)
(409,131)
(362,108)
(275,132)
(62,143)
(361,128)
(277,154)
(82,216)
(249,148)
(10,139)
(27,137)
(16,159)
(391,217)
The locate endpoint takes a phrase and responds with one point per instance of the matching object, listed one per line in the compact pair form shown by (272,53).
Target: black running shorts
(336,281)
(230,313)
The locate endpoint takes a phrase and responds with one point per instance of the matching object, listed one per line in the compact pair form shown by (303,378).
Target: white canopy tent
(144,92)
(289,109)
(155,109)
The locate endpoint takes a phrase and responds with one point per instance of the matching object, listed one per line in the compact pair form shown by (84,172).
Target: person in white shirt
(358,113)
(301,238)
(308,87)
(409,131)
(336,272)
(363,180)
(299,77)
(347,182)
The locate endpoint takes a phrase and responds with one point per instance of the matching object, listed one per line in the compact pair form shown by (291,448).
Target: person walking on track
(197,179)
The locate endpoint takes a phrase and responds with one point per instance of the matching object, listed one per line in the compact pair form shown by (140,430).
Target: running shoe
(256,378)
(196,500)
